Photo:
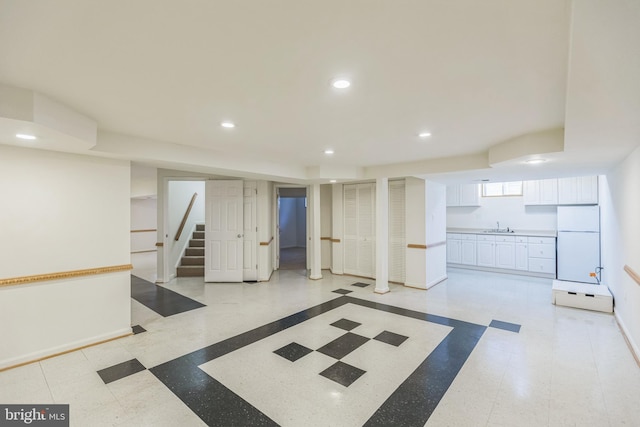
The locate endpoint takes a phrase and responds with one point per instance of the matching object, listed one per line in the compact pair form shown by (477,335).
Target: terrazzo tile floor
(479,349)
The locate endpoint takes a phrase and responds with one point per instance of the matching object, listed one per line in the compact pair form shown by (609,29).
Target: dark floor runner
(163,301)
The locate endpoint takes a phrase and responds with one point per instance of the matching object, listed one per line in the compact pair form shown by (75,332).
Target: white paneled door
(223,231)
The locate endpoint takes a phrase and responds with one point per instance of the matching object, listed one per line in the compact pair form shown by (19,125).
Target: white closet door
(366,230)
(250,232)
(397,238)
(350,229)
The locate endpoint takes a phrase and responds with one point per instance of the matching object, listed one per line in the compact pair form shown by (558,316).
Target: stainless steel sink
(498,230)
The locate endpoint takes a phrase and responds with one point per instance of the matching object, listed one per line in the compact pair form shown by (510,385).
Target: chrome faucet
(498,222)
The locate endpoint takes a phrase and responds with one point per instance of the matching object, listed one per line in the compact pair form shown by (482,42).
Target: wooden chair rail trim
(23,280)
(267,243)
(335,240)
(144,251)
(159,244)
(325,238)
(416,246)
(186,215)
(144,231)
(634,275)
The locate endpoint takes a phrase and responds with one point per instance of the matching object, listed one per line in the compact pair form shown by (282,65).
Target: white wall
(266,230)
(620,235)
(144,214)
(326,196)
(62,212)
(510,211)
(180,194)
(144,181)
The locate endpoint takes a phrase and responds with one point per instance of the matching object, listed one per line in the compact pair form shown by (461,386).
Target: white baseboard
(429,285)
(632,344)
(62,349)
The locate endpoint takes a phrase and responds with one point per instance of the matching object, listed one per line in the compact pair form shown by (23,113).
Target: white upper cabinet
(463,195)
(582,190)
(541,192)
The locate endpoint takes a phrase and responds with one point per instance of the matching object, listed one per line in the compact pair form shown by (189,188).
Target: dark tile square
(137,329)
(163,301)
(360,284)
(342,373)
(346,324)
(293,351)
(390,338)
(120,370)
(512,327)
(343,345)
(342,291)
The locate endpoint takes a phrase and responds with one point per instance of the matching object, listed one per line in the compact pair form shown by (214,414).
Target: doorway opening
(292,220)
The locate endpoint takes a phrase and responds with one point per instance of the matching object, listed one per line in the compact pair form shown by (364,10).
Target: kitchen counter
(532,233)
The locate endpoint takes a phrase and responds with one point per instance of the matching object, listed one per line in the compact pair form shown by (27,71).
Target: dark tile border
(511,327)
(163,301)
(411,404)
(342,291)
(137,329)
(121,370)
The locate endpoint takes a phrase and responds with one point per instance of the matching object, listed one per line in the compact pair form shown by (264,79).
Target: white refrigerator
(578,243)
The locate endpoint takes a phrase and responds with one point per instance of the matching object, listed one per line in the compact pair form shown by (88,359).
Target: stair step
(190,271)
(192,260)
(199,227)
(194,251)
(198,234)
(196,243)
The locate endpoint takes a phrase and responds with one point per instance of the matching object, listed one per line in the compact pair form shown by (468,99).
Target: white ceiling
(473,73)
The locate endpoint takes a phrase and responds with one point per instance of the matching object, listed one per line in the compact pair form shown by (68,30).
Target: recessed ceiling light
(424,134)
(25,136)
(228,125)
(328,151)
(341,83)
(333,181)
(535,161)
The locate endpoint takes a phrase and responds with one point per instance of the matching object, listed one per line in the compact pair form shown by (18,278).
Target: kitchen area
(547,228)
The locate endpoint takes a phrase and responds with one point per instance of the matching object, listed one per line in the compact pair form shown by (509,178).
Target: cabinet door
(522,256)
(468,252)
(469,195)
(548,192)
(531,192)
(486,254)
(505,255)
(453,195)
(587,190)
(567,191)
(453,251)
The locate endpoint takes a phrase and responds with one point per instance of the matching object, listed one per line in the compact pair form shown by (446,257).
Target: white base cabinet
(534,255)
(506,252)
(486,251)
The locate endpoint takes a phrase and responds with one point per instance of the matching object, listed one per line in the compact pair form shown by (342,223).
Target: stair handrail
(186,215)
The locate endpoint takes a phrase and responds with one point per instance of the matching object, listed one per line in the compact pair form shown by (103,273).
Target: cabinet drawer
(522,239)
(508,239)
(538,250)
(453,236)
(542,265)
(485,238)
(468,236)
(543,240)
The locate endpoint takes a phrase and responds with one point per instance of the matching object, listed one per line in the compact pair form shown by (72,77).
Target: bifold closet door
(359,229)
(397,237)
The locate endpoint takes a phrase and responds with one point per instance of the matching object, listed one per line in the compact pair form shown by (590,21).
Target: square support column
(382,236)
(316,248)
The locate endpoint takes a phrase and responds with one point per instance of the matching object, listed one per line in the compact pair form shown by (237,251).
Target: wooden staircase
(192,263)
